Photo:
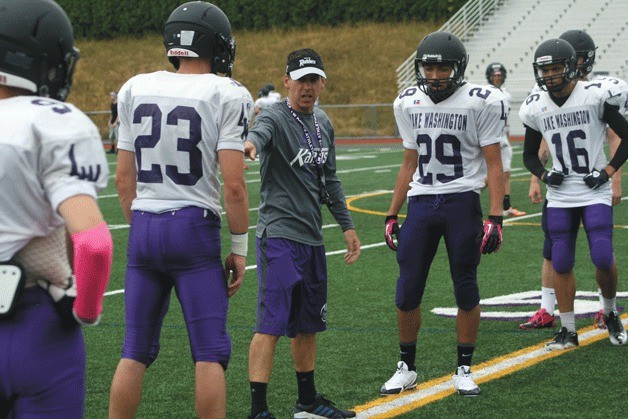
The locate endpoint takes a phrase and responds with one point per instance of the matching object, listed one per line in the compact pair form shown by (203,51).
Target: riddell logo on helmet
(179,52)
(432,57)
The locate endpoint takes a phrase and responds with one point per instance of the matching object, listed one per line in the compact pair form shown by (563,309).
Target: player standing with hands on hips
(295,141)
(176,131)
(52,165)
(451,132)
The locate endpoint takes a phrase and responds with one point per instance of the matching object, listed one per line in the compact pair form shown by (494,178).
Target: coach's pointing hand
(249,150)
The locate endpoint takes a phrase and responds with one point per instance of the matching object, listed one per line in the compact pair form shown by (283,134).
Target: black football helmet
(495,68)
(37,47)
(585,48)
(200,29)
(440,47)
(554,51)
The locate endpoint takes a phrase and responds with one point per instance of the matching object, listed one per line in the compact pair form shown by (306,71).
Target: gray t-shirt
(290,201)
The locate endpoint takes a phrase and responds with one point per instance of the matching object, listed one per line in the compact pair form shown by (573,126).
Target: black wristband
(390,217)
(497,219)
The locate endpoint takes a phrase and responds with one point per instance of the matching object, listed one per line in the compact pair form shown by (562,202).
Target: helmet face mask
(200,29)
(493,70)
(437,53)
(37,51)
(585,48)
(554,65)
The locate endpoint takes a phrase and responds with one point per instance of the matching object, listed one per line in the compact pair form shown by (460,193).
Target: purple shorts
(42,361)
(292,287)
(179,249)
(458,219)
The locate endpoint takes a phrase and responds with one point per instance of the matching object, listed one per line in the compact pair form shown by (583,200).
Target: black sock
(465,354)
(258,398)
(407,353)
(506,202)
(305,385)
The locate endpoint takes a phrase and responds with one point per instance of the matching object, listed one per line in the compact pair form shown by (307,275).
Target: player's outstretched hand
(391,233)
(234,269)
(596,178)
(250,150)
(353,246)
(553,178)
(491,234)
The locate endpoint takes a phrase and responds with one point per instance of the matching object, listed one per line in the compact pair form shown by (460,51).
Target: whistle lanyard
(324,195)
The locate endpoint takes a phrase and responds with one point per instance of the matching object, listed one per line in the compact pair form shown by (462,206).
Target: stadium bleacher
(509,31)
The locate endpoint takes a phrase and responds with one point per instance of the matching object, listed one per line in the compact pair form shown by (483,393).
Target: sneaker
(321,408)
(263,415)
(463,383)
(616,331)
(402,379)
(513,212)
(540,320)
(598,320)
(564,339)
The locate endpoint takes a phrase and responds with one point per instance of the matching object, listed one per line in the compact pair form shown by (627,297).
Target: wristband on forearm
(239,244)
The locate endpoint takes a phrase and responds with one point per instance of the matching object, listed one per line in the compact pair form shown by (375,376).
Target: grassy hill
(360,61)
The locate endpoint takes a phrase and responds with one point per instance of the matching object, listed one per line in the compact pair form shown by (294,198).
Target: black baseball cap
(304,62)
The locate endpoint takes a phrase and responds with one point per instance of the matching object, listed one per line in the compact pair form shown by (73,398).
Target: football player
(578,188)
(176,131)
(52,165)
(496,76)
(585,51)
(451,132)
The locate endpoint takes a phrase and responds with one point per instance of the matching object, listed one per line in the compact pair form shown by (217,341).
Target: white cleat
(402,379)
(463,383)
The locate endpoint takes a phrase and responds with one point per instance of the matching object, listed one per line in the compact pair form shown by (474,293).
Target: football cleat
(463,382)
(263,415)
(564,339)
(616,331)
(513,212)
(322,407)
(539,320)
(402,379)
(598,320)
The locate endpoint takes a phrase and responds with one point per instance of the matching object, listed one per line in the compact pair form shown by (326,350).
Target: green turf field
(360,349)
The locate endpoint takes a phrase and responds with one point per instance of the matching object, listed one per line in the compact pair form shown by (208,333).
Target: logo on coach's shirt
(305,156)
(84,173)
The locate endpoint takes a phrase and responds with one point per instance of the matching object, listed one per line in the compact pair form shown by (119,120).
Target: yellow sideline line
(410,405)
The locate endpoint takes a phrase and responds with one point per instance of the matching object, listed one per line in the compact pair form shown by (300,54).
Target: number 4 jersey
(176,124)
(575,133)
(449,136)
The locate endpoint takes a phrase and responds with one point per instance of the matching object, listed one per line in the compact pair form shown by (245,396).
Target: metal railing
(462,24)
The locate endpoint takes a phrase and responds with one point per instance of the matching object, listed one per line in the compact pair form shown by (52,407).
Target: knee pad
(563,258)
(467,294)
(602,253)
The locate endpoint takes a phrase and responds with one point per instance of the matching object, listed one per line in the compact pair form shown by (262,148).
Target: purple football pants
(458,219)
(563,225)
(179,249)
(42,361)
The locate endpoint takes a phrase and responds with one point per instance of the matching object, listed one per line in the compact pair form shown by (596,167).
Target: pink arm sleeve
(93,253)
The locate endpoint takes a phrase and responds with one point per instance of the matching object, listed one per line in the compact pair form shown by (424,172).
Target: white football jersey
(507,100)
(49,151)
(449,136)
(575,134)
(176,124)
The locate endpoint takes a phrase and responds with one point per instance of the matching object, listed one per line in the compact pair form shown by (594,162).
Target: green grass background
(360,349)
